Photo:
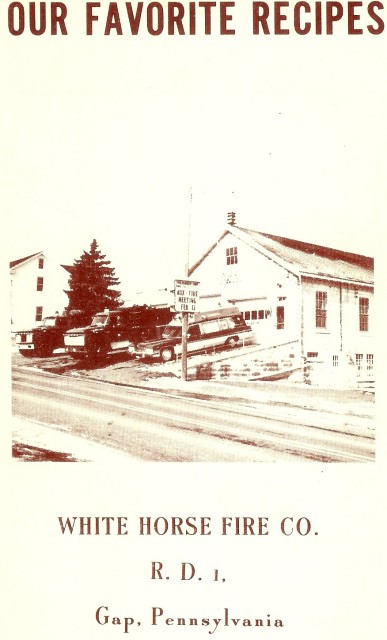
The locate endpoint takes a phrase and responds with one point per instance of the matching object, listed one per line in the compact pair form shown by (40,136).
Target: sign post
(186,296)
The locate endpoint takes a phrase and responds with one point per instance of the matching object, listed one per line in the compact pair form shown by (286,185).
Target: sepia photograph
(266,356)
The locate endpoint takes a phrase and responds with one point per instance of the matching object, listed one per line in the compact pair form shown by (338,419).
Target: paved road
(159,426)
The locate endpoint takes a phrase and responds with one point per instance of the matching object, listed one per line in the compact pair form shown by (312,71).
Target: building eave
(244,237)
(206,254)
(319,276)
(14,264)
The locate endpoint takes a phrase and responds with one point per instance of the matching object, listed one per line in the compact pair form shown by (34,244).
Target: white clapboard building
(37,289)
(316,298)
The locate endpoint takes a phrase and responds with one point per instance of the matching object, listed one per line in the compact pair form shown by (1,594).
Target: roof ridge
(317,249)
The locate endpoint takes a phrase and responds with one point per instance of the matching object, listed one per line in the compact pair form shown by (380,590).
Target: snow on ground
(322,406)
(35,442)
(167,377)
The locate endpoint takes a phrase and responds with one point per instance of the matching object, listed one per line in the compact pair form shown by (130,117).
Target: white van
(221,328)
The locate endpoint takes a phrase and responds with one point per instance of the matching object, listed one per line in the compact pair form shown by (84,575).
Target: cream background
(109,134)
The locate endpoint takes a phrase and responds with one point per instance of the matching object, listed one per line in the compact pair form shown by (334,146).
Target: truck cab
(41,341)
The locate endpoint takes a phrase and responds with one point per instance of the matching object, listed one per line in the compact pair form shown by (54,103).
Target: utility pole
(184,335)
(184,324)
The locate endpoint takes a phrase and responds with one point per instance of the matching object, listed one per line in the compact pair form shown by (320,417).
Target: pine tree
(91,281)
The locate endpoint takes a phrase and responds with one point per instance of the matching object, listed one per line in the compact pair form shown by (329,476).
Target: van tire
(167,354)
(232,342)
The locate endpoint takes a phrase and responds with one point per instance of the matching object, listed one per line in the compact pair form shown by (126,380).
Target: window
(50,322)
(321,309)
(209,327)
(231,322)
(223,324)
(280,317)
(171,332)
(39,284)
(41,263)
(194,332)
(99,319)
(370,361)
(256,314)
(359,362)
(335,361)
(312,354)
(232,255)
(364,305)
(39,314)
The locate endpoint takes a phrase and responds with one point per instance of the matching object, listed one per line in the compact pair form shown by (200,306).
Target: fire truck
(114,331)
(41,341)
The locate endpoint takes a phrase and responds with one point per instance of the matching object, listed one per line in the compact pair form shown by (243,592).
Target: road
(160,426)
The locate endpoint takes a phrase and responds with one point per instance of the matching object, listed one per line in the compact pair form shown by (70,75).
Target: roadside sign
(186,296)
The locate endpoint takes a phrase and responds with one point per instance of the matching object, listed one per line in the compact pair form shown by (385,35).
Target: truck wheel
(167,354)
(97,355)
(44,352)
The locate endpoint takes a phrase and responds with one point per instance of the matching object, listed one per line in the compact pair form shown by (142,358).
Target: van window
(210,327)
(171,332)
(223,324)
(194,332)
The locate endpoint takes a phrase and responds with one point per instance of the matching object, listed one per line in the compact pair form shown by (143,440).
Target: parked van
(208,330)
(115,331)
(42,340)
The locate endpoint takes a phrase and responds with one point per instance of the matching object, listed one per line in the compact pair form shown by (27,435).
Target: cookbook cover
(193,216)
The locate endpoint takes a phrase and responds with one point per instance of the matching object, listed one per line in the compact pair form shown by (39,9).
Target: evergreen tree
(91,281)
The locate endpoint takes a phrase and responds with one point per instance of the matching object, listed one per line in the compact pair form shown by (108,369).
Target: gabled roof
(303,258)
(15,263)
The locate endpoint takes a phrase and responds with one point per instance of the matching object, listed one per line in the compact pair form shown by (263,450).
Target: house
(37,289)
(317,299)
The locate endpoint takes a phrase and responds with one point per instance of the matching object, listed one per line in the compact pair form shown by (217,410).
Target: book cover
(224,165)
